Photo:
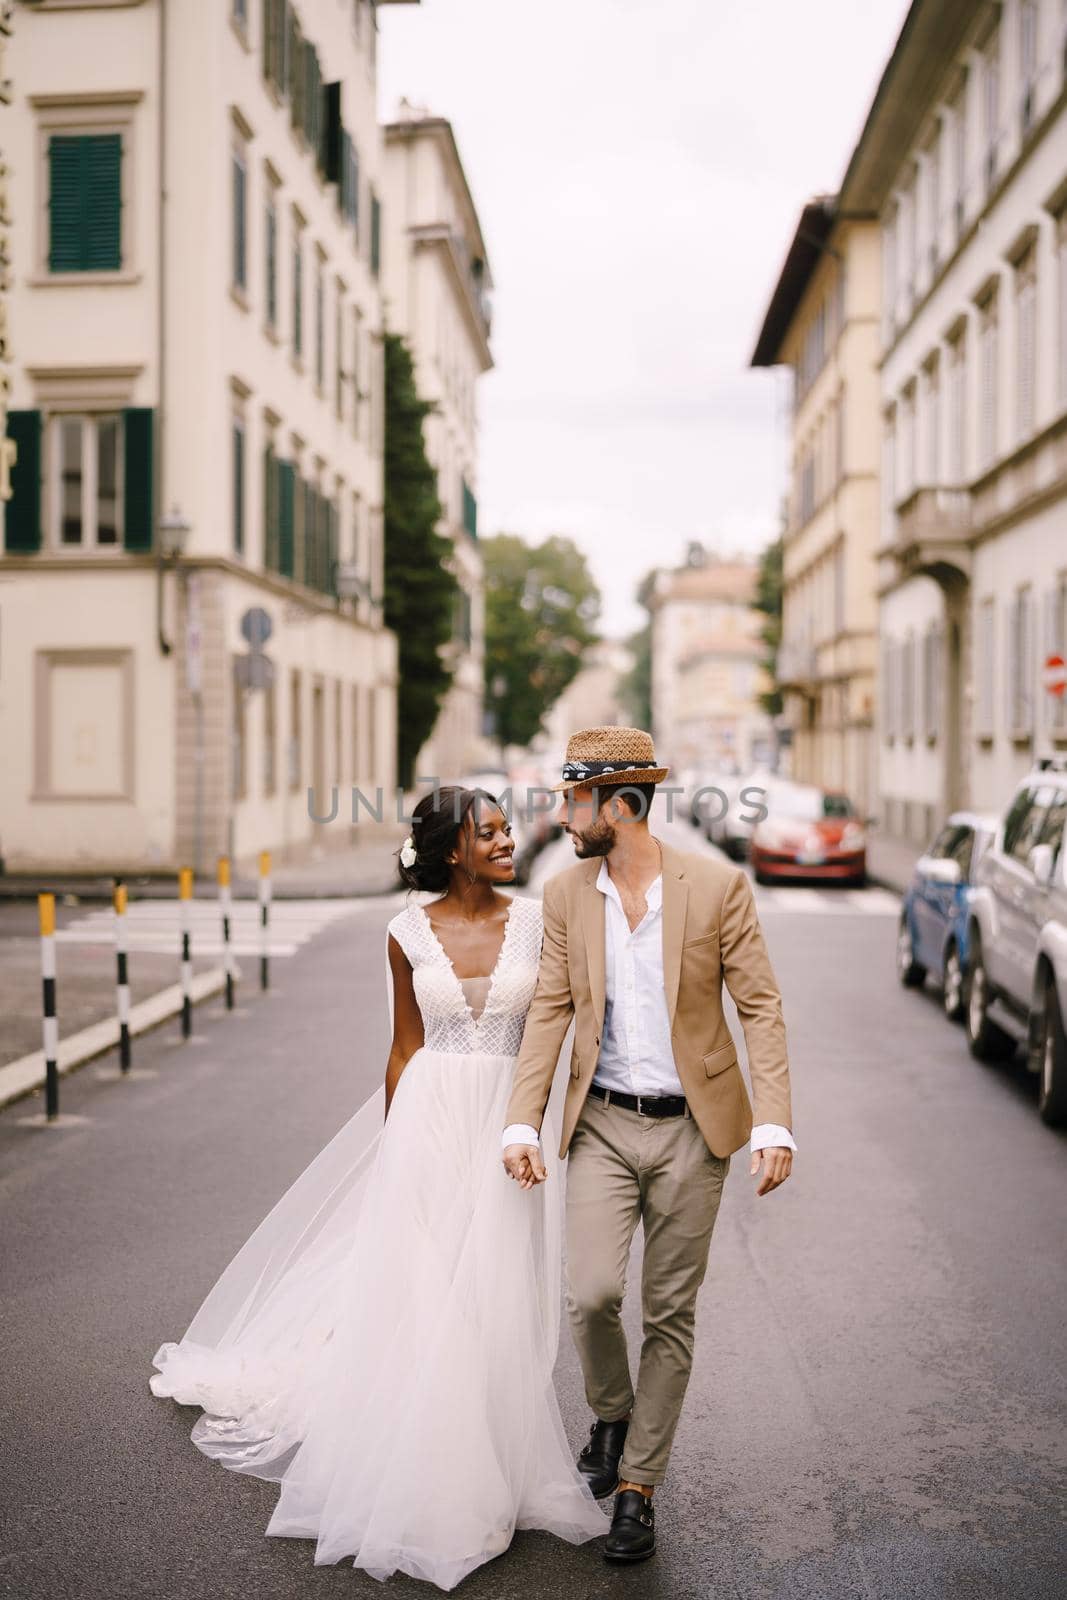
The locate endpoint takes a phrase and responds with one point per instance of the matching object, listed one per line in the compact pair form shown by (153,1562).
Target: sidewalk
(363,869)
(890,861)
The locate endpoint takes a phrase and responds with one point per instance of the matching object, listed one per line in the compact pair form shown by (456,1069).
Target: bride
(382,1346)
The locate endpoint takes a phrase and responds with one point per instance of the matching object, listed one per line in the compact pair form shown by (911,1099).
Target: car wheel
(952,984)
(1052,1083)
(986,1040)
(910,972)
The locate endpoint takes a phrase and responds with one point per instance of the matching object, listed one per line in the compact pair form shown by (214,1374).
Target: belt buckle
(640,1111)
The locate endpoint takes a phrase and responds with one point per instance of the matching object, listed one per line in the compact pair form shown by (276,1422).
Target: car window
(962,849)
(1029,830)
(943,842)
(1052,827)
(836,805)
(1015,818)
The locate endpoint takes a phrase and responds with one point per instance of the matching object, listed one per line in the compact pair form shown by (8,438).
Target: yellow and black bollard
(46,918)
(227,948)
(264,919)
(119,899)
(185,902)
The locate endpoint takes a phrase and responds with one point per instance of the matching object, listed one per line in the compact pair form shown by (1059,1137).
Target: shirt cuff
(521,1133)
(771,1133)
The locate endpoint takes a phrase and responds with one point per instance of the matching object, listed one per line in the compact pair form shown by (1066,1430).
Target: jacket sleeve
(749,977)
(547,1020)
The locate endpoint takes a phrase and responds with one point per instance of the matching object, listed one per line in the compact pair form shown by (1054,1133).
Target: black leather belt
(660,1105)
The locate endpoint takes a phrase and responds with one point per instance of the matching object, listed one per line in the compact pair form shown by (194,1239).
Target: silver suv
(1015,983)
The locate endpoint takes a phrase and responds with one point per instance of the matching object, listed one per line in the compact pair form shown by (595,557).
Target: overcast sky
(638,167)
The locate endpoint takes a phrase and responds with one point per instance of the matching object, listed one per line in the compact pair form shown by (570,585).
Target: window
(933,196)
(85,202)
(372,734)
(320,324)
(908,442)
(270,738)
(1015,823)
(298,290)
(270,508)
(1053,825)
(276,40)
(238,467)
(355,733)
(1028,826)
(356,369)
(932,656)
(959,158)
(86,470)
(1025,342)
(1027,63)
(988,355)
(957,407)
(238,734)
(907,687)
(272,256)
(239,12)
(932,422)
(985,645)
(891,232)
(338,350)
(1020,665)
(240,219)
(991,107)
(296,755)
(1061,299)
(375,234)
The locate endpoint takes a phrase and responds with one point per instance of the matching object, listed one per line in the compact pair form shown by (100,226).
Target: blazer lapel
(594,913)
(675,900)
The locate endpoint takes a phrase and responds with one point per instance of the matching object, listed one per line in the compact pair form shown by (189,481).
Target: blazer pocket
(576,1066)
(697,944)
(718,1060)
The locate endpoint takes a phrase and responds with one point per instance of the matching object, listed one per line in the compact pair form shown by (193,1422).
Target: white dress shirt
(636,1056)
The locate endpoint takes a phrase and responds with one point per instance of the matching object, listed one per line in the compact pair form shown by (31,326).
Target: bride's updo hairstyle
(436,823)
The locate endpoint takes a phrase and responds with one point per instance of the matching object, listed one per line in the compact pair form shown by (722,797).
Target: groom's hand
(777,1162)
(524,1164)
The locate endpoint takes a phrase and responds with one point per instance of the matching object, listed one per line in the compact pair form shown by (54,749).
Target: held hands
(523,1163)
(777,1162)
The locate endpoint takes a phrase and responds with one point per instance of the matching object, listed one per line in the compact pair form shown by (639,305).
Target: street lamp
(173,531)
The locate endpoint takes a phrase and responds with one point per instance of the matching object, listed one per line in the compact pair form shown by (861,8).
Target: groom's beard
(599,840)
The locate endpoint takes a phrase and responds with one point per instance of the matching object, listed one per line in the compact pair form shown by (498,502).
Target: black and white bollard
(185,904)
(264,919)
(122,976)
(46,918)
(225,902)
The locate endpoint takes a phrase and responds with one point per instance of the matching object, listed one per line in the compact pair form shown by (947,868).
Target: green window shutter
(375,234)
(270,510)
(311,534)
(85,202)
(138,432)
(330,584)
(22,514)
(286,493)
(238,488)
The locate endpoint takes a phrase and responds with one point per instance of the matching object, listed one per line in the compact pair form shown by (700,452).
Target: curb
(21,1077)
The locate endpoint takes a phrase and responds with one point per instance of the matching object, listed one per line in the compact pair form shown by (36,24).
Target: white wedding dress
(383,1344)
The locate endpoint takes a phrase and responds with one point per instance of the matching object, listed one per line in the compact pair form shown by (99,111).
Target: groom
(638,938)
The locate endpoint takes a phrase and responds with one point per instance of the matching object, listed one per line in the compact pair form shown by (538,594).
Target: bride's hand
(523,1163)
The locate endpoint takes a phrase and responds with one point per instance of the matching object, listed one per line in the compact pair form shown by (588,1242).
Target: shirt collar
(653,894)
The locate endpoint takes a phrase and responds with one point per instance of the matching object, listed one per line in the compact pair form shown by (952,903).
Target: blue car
(932,937)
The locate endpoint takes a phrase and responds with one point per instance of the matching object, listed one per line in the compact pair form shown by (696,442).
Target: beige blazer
(710,933)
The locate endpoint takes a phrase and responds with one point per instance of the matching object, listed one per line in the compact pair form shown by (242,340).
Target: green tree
(421,590)
(636,687)
(541,604)
(769,601)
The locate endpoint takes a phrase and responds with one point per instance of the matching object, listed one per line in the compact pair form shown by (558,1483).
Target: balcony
(797,665)
(933,530)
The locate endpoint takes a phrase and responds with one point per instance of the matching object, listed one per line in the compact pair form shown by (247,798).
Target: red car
(809,833)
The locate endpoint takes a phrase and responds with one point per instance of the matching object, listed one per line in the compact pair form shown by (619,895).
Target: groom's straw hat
(617,755)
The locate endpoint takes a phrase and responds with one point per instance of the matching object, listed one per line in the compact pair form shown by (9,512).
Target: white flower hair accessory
(408,852)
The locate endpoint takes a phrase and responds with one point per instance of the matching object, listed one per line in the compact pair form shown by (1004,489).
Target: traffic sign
(1055,675)
(256,626)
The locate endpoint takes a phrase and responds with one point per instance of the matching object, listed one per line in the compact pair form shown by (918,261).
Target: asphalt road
(877,1404)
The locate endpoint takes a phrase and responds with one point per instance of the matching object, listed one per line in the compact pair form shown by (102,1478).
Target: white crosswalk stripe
(153,924)
(828,902)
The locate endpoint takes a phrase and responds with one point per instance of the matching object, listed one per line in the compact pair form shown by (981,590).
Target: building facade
(706,676)
(191,579)
(438,287)
(964,162)
(822,323)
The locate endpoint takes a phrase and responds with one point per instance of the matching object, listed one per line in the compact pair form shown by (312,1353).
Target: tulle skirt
(383,1344)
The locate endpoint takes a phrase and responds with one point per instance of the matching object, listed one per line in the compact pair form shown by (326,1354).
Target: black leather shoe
(633,1528)
(599,1461)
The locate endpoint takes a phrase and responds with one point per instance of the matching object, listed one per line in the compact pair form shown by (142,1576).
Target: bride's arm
(407,1020)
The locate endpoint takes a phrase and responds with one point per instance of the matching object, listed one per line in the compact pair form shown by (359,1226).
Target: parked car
(729,814)
(1015,982)
(935,911)
(809,833)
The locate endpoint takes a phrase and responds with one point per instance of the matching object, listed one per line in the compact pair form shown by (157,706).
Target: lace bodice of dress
(449,1020)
